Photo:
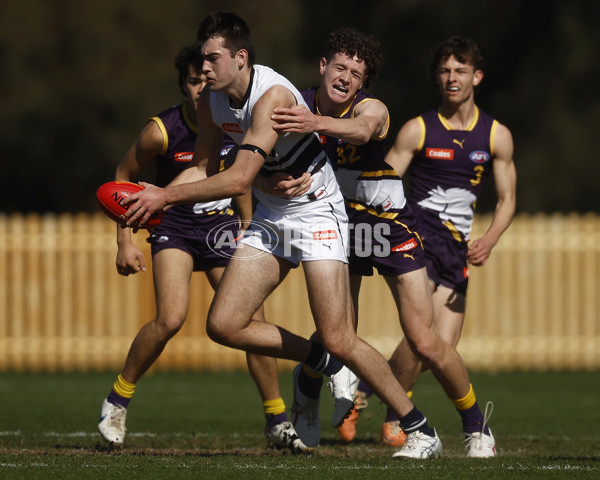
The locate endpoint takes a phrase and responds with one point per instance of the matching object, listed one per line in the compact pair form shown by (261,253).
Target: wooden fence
(535,305)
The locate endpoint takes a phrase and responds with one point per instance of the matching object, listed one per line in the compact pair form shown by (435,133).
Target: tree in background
(76,77)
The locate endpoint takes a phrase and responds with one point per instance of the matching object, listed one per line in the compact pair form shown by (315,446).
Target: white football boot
(342,385)
(479,444)
(305,414)
(111,424)
(283,435)
(420,445)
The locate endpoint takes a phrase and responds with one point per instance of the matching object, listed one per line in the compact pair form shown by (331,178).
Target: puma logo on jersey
(459,142)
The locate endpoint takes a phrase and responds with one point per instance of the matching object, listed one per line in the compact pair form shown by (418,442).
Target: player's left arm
(370,120)
(505,182)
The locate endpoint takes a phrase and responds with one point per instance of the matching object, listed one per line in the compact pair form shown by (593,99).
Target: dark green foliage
(78,81)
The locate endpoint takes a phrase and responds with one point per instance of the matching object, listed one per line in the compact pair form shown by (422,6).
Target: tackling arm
(230,183)
(370,119)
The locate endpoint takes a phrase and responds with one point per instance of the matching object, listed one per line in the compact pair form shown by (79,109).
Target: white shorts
(317,230)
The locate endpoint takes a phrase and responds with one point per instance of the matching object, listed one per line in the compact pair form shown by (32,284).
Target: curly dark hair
(464,50)
(353,42)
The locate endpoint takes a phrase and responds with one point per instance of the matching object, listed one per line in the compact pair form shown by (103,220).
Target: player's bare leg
(412,291)
(448,318)
(249,278)
(336,326)
(413,299)
(449,313)
(172,273)
(279,431)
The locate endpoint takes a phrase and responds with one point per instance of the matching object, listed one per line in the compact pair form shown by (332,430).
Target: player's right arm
(369,120)
(406,145)
(192,185)
(149,144)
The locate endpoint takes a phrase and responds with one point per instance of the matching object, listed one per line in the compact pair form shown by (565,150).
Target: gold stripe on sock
(311,373)
(467,401)
(274,407)
(123,388)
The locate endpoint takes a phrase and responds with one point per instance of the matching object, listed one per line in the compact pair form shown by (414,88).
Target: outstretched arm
(370,120)
(230,183)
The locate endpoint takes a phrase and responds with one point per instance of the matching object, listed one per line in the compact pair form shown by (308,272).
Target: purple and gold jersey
(383,234)
(179,139)
(187,227)
(361,171)
(448,172)
(368,157)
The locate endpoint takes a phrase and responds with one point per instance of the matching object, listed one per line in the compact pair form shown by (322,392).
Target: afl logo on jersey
(226,150)
(479,156)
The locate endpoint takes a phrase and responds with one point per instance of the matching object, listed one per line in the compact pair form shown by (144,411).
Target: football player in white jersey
(311,228)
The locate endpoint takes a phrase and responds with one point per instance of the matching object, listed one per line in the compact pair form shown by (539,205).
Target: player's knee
(218,332)
(339,346)
(169,324)
(425,348)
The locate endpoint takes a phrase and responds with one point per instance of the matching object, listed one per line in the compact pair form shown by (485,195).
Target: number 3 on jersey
(478,170)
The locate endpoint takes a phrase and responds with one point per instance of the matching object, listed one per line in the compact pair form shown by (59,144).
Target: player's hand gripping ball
(111,194)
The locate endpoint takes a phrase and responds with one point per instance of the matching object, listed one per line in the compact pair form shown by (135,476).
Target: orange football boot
(347,429)
(392,435)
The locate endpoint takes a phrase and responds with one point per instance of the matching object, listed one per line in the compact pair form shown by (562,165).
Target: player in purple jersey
(241,99)
(449,152)
(355,126)
(180,246)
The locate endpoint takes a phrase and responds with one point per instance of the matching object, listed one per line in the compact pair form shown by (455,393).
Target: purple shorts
(392,246)
(194,234)
(446,259)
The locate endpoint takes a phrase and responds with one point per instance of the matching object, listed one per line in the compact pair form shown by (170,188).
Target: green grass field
(209,425)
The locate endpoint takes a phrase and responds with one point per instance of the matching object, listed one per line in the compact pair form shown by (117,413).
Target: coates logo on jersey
(406,246)
(322,139)
(231,127)
(479,156)
(183,156)
(325,235)
(440,153)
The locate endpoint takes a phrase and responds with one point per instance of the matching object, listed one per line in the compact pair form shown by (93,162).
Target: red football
(111,194)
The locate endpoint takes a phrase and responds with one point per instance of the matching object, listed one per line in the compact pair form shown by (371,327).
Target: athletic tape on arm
(254,148)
